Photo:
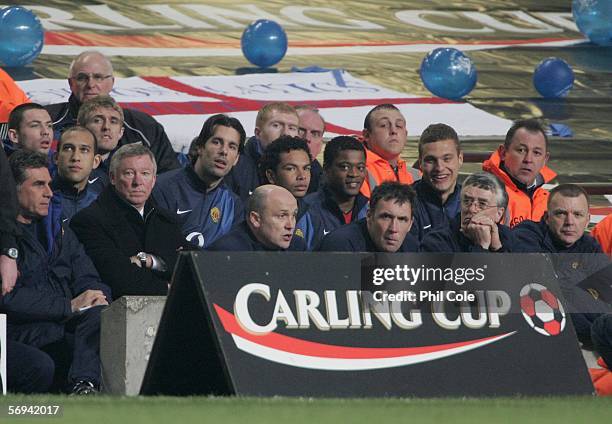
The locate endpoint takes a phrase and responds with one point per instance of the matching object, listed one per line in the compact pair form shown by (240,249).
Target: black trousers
(29,370)
(75,349)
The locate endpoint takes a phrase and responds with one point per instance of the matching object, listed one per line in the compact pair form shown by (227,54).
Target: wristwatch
(11,252)
(142,256)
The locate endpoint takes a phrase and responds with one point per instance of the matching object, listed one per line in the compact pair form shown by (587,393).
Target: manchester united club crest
(215,214)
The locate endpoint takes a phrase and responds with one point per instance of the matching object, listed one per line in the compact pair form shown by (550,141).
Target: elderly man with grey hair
(131,241)
(476,228)
(91,75)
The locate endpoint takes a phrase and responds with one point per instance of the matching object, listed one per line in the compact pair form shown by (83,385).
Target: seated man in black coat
(562,228)
(476,229)
(29,370)
(53,304)
(131,241)
(270,221)
(584,272)
(384,229)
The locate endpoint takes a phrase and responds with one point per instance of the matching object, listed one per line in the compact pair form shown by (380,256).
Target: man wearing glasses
(476,229)
(91,75)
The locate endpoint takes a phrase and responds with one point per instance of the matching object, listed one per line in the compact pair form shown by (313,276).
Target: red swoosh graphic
(304,347)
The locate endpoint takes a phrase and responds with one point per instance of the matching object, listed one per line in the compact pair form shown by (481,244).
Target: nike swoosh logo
(326,232)
(426,227)
(180,212)
(93,181)
(65,219)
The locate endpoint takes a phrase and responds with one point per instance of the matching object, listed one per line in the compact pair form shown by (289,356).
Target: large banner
(382,42)
(182,104)
(365,325)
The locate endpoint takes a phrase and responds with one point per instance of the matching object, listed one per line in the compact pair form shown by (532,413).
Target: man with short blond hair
(273,120)
(91,75)
(385,135)
(104,118)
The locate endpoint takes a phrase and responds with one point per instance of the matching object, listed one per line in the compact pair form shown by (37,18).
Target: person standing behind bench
(385,135)
(520,163)
(91,75)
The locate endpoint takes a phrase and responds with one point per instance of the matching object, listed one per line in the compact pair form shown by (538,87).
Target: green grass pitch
(106,409)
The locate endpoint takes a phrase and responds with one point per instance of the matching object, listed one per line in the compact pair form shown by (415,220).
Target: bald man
(91,75)
(270,221)
(312,128)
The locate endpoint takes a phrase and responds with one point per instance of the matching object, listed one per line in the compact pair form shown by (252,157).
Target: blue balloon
(553,78)
(594,19)
(21,36)
(448,73)
(264,43)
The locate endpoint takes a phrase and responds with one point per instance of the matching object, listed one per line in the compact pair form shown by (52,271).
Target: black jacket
(429,213)
(49,279)
(139,128)
(68,200)
(322,203)
(112,231)
(242,239)
(534,237)
(584,272)
(243,179)
(8,205)
(451,240)
(354,237)
(316,177)
(581,266)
